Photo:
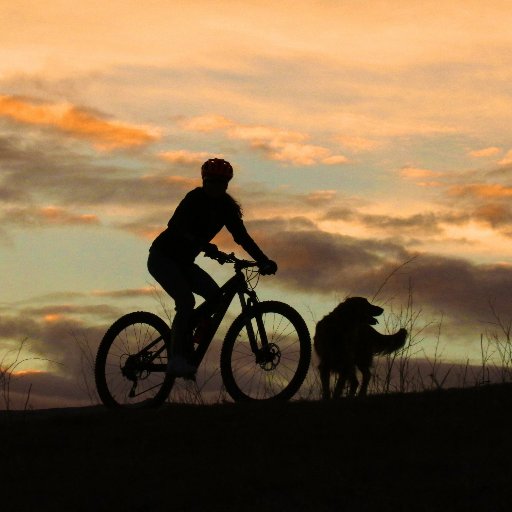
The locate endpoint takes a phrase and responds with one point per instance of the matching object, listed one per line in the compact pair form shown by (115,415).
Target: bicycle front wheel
(131,362)
(277,369)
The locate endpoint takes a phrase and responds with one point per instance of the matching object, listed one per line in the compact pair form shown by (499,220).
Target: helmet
(217,168)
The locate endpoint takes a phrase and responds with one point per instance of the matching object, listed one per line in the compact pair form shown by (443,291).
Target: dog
(345,340)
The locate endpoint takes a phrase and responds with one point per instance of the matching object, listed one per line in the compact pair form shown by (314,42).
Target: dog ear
(372,321)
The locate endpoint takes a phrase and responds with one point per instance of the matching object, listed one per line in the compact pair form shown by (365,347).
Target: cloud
(75,121)
(286,146)
(420,224)
(49,390)
(320,261)
(415,173)
(481,190)
(58,312)
(71,181)
(454,289)
(485,152)
(507,159)
(454,286)
(126,294)
(46,216)
(185,157)
(358,144)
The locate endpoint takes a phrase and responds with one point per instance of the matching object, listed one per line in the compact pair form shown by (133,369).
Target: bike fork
(253,304)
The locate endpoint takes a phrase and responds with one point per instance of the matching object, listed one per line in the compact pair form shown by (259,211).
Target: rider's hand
(267,267)
(210,250)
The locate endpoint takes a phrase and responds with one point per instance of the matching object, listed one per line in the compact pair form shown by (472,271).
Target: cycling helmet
(217,168)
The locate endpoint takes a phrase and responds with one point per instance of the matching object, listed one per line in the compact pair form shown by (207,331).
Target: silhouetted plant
(9,366)
(87,359)
(496,350)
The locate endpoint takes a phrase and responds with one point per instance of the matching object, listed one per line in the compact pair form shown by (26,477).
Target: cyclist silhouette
(201,214)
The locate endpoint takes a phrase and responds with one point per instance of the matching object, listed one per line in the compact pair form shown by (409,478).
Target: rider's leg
(175,280)
(201,282)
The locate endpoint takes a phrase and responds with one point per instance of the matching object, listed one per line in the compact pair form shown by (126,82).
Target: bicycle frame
(214,310)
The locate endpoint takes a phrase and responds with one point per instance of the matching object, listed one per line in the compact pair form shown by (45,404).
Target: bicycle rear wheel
(278,370)
(131,362)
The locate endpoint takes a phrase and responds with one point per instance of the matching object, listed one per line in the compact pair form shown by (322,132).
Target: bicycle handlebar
(223,257)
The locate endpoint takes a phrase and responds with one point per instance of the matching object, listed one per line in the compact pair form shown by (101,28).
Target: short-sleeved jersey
(196,221)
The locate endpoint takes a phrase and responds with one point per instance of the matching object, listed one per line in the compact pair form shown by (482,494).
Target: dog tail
(388,343)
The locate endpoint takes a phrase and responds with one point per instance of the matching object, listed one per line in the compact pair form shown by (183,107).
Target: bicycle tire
(126,337)
(288,335)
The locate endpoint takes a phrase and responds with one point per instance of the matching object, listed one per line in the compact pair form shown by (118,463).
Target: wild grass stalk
(85,379)
(10,364)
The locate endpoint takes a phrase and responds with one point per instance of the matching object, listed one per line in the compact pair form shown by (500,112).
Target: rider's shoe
(178,366)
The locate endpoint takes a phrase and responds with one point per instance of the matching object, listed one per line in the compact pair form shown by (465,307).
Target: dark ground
(442,451)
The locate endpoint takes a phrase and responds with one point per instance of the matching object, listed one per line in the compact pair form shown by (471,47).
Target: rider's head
(216,168)
(216,174)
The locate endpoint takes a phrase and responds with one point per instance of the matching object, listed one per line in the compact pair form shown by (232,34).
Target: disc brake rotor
(269,357)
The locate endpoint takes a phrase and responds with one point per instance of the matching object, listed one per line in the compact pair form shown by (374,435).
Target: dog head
(358,310)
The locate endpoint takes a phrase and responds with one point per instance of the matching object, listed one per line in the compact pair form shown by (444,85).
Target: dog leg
(367,375)
(354,383)
(325,377)
(340,386)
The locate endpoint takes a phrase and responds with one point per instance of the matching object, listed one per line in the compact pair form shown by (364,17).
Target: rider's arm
(240,235)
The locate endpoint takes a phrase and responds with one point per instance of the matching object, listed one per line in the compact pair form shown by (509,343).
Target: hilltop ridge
(447,450)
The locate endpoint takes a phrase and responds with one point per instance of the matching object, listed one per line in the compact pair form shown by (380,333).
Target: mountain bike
(265,354)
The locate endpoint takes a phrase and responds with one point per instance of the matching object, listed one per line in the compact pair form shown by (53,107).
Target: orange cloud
(415,173)
(285,146)
(207,123)
(47,215)
(321,196)
(483,153)
(77,122)
(177,181)
(185,157)
(494,214)
(358,144)
(53,214)
(482,190)
(507,159)
(21,373)
(52,318)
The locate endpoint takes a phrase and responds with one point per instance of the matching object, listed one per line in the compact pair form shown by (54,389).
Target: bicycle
(265,354)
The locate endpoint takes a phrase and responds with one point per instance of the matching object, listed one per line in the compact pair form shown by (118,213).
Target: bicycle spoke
(128,366)
(278,366)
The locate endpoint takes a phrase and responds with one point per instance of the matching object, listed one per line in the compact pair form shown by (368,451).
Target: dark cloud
(316,261)
(64,185)
(481,196)
(97,310)
(425,224)
(50,336)
(126,294)
(42,390)
(30,217)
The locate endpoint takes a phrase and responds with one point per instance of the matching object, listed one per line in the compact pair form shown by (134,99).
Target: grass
(430,451)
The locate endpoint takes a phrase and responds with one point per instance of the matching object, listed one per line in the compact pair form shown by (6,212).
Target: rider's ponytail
(235,205)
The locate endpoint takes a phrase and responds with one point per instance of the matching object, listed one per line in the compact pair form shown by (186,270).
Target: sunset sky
(362,134)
